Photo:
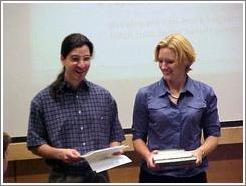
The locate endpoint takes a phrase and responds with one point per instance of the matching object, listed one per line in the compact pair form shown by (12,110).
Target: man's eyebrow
(77,55)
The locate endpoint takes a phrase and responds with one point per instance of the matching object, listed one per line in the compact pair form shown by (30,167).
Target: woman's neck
(177,85)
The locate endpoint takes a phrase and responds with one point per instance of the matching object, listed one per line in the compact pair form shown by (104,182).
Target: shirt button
(81,128)
(84,144)
(79,111)
(77,96)
(102,117)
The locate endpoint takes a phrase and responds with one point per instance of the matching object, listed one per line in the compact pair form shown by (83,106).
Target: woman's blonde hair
(181,46)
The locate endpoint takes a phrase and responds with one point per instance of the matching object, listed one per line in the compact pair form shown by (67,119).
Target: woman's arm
(141,148)
(206,148)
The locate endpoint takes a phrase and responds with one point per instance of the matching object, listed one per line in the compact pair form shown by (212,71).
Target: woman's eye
(169,61)
(166,61)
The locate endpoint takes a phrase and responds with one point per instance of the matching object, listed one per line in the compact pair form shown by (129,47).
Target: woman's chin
(167,78)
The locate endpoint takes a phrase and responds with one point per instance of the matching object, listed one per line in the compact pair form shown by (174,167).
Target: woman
(172,113)
(73,116)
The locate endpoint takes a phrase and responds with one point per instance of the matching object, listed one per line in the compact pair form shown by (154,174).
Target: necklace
(174,97)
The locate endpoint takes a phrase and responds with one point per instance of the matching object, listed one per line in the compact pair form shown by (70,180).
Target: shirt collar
(66,87)
(189,86)
(163,89)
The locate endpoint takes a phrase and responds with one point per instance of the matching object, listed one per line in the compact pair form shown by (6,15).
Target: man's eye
(87,59)
(75,59)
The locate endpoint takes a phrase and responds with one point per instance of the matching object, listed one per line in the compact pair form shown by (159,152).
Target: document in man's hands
(104,159)
(173,157)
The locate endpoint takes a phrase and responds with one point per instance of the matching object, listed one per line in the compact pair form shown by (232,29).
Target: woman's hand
(150,162)
(199,154)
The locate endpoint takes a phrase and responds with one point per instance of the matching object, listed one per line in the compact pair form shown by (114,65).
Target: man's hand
(116,143)
(68,155)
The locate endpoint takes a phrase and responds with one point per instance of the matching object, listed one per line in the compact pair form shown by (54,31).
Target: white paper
(108,162)
(103,159)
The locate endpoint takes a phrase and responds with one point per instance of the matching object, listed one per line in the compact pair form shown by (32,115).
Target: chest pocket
(194,111)
(102,129)
(196,105)
(61,130)
(101,122)
(159,113)
(157,106)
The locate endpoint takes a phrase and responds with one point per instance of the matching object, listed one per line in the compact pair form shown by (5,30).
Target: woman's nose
(163,65)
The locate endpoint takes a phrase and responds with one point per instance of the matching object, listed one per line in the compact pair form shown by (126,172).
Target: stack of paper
(103,159)
(173,157)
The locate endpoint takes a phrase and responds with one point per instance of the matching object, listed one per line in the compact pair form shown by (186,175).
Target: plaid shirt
(85,119)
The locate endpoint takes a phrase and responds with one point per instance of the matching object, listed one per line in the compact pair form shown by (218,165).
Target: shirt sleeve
(210,120)
(117,133)
(140,117)
(36,134)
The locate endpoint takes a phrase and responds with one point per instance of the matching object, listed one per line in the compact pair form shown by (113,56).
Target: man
(6,142)
(73,116)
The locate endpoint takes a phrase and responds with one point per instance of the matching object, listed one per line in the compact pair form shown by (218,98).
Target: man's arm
(48,152)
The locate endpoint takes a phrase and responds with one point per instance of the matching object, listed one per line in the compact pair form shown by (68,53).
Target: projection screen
(124,35)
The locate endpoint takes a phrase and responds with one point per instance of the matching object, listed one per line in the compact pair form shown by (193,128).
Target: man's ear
(62,59)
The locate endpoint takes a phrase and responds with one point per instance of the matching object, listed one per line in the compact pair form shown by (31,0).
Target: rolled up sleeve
(211,123)
(140,116)
(36,134)
(117,133)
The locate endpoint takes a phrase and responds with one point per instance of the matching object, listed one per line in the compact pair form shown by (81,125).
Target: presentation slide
(124,35)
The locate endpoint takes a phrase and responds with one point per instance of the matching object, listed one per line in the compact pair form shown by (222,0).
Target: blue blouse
(165,125)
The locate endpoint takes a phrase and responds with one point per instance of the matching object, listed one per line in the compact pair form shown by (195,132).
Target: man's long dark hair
(70,42)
